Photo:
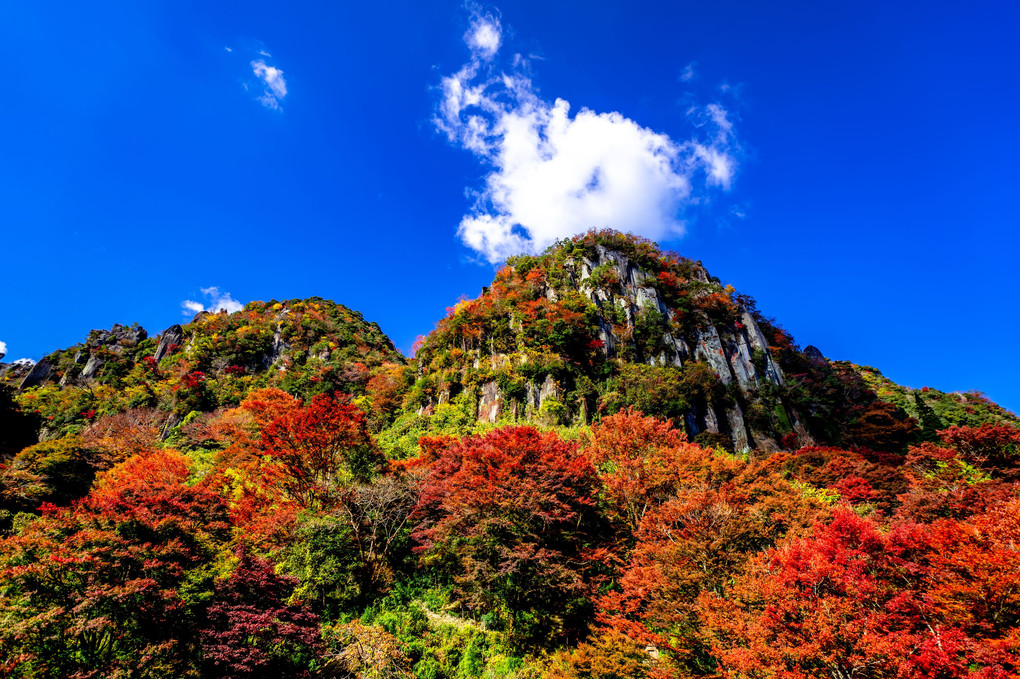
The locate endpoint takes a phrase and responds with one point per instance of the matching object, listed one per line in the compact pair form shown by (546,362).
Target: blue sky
(850,165)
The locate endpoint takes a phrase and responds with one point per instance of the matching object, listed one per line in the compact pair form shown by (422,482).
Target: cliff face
(728,348)
(596,321)
(101,347)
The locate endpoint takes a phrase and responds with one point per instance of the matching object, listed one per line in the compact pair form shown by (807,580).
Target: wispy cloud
(485,34)
(552,174)
(275,85)
(216,301)
(688,74)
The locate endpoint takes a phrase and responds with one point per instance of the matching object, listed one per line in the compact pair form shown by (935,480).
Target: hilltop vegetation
(305,347)
(609,464)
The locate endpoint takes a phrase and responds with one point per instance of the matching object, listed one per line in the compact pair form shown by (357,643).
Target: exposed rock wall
(170,337)
(729,351)
(37,375)
(737,352)
(90,358)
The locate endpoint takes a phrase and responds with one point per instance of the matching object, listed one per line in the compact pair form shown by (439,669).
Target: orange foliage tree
(642,461)
(321,447)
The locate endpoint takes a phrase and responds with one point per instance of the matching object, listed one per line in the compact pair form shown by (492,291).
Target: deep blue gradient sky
(873,209)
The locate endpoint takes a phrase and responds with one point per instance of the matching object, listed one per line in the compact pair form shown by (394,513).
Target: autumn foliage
(558,486)
(107,587)
(250,631)
(513,513)
(320,447)
(852,599)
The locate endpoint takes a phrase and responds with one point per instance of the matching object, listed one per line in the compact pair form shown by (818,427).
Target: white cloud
(3,348)
(689,74)
(484,36)
(217,301)
(552,174)
(275,85)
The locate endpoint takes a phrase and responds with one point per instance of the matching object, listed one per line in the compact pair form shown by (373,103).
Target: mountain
(608,464)
(596,324)
(607,321)
(304,347)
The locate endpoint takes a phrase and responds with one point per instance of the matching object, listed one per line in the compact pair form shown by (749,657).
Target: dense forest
(607,465)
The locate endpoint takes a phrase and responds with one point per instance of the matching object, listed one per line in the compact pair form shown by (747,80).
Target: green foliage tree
(66,467)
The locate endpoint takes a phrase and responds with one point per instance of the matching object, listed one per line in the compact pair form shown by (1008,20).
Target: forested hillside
(609,464)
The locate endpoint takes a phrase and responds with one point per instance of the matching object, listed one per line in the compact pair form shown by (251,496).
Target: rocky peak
(37,373)
(170,337)
(586,310)
(97,350)
(730,348)
(812,353)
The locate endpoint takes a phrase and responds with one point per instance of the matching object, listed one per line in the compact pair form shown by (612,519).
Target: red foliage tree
(512,512)
(853,601)
(278,456)
(150,489)
(321,447)
(250,633)
(995,447)
(822,605)
(266,405)
(882,427)
(250,480)
(848,472)
(694,543)
(974,585)
(942,484)
(642,461)
(108,588)
(124,434)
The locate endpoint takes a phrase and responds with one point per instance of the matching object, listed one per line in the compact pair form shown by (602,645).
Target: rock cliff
(558,337)
(99,348)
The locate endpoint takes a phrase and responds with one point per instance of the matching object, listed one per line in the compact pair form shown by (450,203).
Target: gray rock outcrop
(37,375)
(170,337)
(639,317)
(88,361)
(730,351)
(813,354)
